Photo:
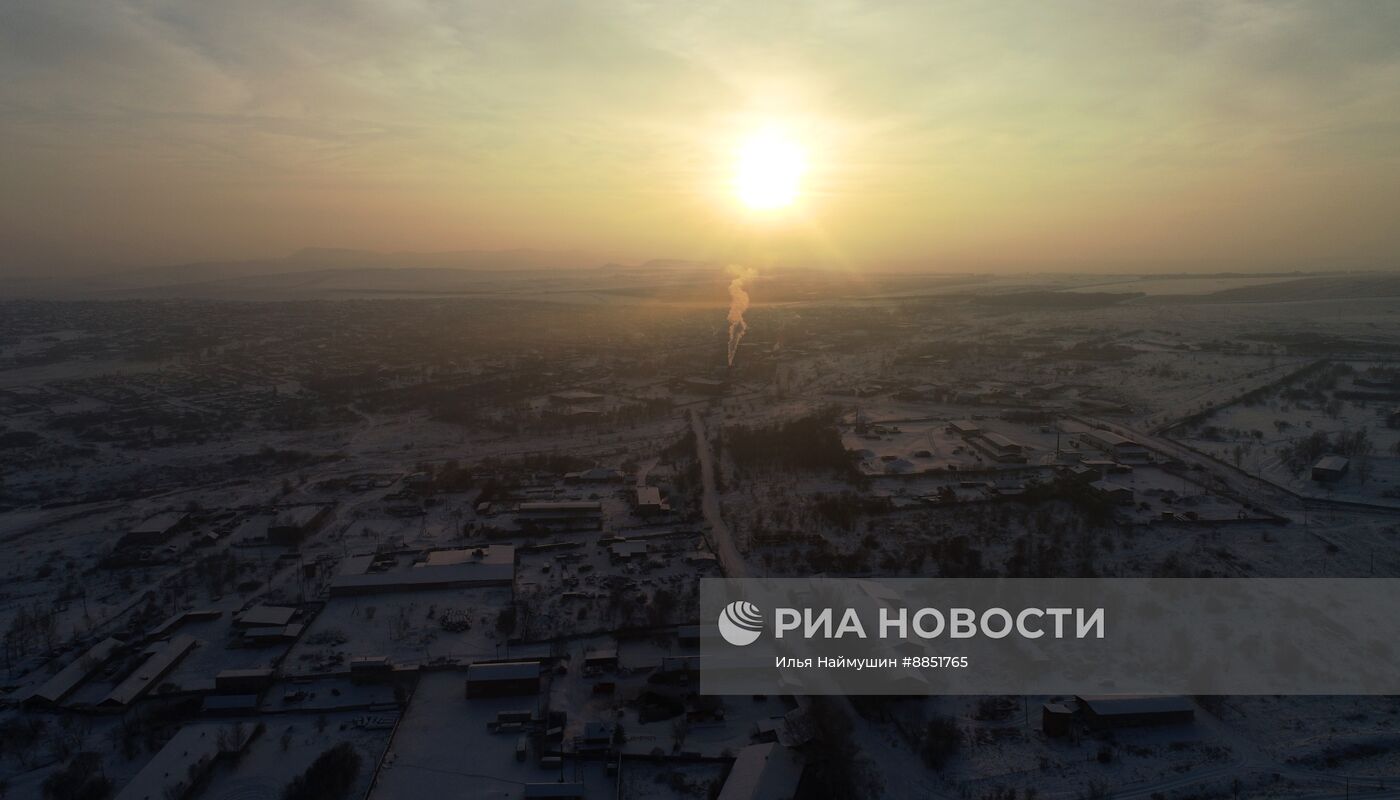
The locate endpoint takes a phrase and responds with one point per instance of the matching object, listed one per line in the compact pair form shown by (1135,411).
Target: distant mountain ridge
(575,276)
(1306,289)
(335,269)
(317,259)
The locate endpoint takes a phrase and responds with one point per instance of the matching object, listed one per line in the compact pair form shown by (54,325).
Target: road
(730,561)
(1255,490)
(732,564)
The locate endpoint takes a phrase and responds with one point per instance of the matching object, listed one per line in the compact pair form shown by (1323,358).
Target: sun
(768,174)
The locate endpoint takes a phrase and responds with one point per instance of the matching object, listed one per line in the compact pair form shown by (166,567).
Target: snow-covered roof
(1107,486)
(1001,441)
(493,565)
(629,549)
(251,672)
(562,505)
(67,679)
(1337,463)
(489,554)
(261,616)
(767,771)
(180,762)
(1111,705)
(150,671)
(503,671)
(595,474)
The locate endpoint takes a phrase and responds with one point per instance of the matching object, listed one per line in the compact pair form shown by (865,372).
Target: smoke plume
(738,304)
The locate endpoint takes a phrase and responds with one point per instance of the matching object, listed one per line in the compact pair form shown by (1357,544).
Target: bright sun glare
(769,173)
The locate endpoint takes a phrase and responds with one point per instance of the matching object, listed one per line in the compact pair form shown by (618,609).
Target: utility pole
(301,576)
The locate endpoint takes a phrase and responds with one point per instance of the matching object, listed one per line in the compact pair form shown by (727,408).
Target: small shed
(1330,468)
(261,616)
(243,681)
(1056,719)
(604,659)
(1115,493)
(503,679)
(1128,711)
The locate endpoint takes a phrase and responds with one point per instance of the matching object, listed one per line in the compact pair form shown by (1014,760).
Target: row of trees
(33,626)
(1355,445)
(807,443)
(329,777)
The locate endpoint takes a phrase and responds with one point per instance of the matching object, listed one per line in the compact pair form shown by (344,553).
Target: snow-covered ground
(894,367)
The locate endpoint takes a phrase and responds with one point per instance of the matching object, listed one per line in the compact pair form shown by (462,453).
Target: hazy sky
(1057,135)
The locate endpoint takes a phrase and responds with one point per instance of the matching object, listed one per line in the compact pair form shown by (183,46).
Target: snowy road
(730,561)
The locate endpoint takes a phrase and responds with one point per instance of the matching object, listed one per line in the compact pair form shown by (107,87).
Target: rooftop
(62,684)
(503,671)
(261,616)
(488,554)
(1110,705)
(1000,441)
(151,670)
(173,770)
(560,505)
(491,565)
(768,771)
